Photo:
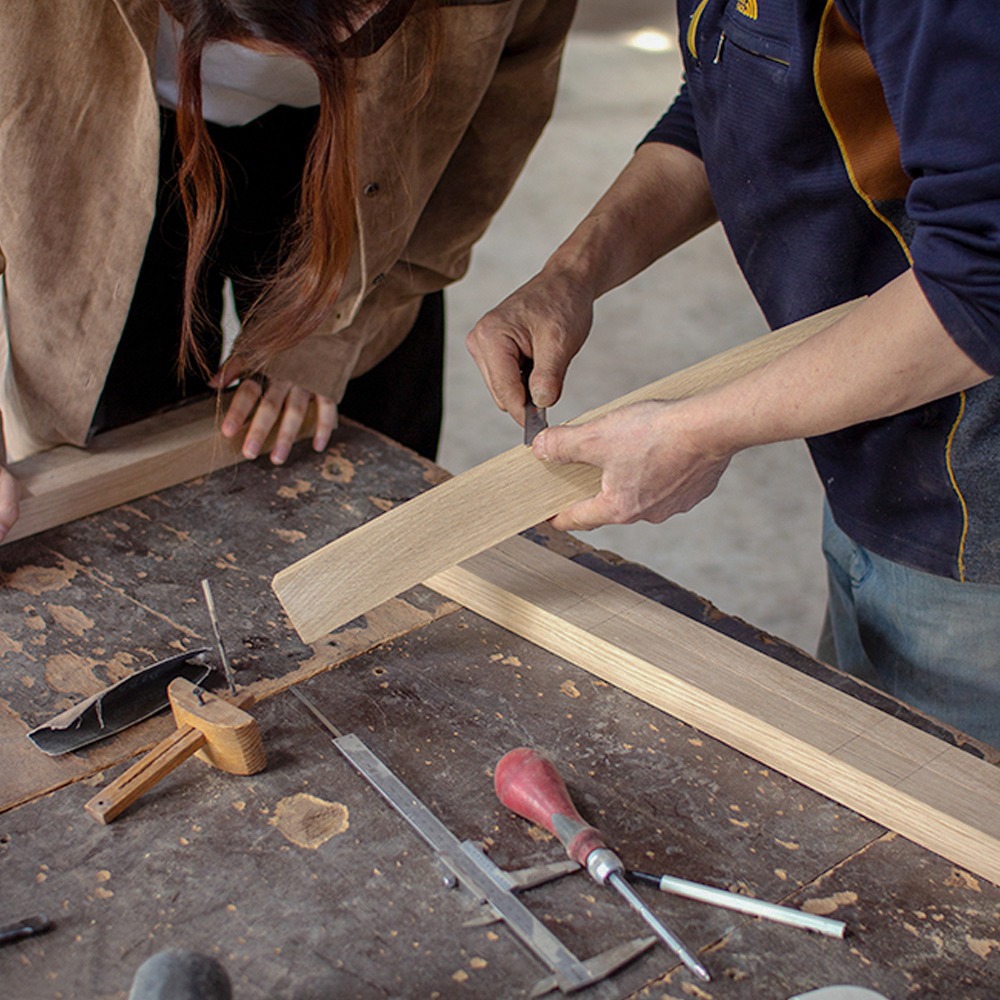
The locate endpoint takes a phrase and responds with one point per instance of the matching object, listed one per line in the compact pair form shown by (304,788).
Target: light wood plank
(909,781)
(483,506)
(65,483)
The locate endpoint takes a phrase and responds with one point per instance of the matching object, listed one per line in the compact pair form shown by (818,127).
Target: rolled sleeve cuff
(677,126)
(979,339)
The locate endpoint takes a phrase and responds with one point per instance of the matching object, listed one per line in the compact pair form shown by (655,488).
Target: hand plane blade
(123,704)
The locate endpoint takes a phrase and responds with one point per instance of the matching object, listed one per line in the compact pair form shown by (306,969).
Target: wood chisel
(529,784)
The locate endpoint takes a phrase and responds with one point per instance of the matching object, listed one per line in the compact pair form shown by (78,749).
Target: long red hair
(298,300)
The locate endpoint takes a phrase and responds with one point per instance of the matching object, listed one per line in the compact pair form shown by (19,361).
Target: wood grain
(110,802)
(232,737)
(483,506)
(909,781)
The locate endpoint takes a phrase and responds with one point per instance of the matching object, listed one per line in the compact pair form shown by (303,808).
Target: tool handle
(529,784)
(141,776)
(742,904)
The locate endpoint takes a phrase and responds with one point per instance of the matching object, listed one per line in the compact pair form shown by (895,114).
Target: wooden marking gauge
(216,729)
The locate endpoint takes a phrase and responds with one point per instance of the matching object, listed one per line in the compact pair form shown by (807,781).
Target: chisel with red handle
(529,784)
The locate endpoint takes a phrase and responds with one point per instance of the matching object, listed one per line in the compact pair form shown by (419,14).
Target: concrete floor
(753,546)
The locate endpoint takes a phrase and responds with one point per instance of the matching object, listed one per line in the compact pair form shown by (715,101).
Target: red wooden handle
(529,784)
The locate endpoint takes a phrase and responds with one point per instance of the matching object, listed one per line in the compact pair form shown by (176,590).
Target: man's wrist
(716,427)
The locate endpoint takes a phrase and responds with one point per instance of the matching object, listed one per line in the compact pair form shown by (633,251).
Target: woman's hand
(653,461)
(276,404)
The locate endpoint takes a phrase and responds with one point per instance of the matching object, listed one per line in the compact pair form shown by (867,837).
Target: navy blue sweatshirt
(846,141)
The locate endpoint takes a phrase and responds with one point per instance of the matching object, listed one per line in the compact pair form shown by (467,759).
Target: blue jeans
(930,641)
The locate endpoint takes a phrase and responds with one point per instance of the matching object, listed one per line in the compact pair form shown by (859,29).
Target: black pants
(401,396)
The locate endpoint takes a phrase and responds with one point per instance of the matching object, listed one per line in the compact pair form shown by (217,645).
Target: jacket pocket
(765,35)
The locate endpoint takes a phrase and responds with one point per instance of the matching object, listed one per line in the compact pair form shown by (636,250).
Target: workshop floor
(753,547)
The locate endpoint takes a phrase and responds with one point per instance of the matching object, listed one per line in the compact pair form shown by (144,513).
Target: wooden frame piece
(66,483)
(483,506)
(909,781)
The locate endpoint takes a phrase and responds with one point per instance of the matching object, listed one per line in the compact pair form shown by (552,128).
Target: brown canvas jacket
(78,172)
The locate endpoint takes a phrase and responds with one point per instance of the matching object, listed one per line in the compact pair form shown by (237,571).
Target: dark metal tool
(140,695)
(206,589)
(28,927)
(494,887)
(123,704)
(534,416)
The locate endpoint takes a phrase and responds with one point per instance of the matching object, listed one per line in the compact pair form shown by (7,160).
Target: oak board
(66,483)
(483,506)
(912,782)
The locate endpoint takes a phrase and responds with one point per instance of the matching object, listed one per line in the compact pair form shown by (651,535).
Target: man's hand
(658,201)
(9,507)
(654,464)
(661,458)
(280,404)
(546,320)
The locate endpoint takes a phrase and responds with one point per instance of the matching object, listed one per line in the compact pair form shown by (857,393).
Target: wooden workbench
(305,883)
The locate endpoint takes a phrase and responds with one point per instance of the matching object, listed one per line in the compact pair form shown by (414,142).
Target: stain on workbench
(70,673)
(824,907)
(295,490)
(290,536)
(982,948)
(38,580)
(73,620)
(309,821)
(336,468)
(8,644)
(569,689)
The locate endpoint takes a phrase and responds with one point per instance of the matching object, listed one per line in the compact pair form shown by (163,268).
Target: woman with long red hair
(327,164)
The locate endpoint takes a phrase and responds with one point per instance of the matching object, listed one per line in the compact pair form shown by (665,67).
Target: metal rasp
(534,416)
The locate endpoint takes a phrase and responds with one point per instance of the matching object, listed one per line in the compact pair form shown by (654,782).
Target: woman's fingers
(279,408)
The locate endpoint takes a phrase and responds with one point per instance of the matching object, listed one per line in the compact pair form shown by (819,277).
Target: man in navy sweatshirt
(849,148)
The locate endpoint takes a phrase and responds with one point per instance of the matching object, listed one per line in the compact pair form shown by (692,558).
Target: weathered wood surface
(90,601)
(908,780)
(364,914)
(236,866)
(493,501)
